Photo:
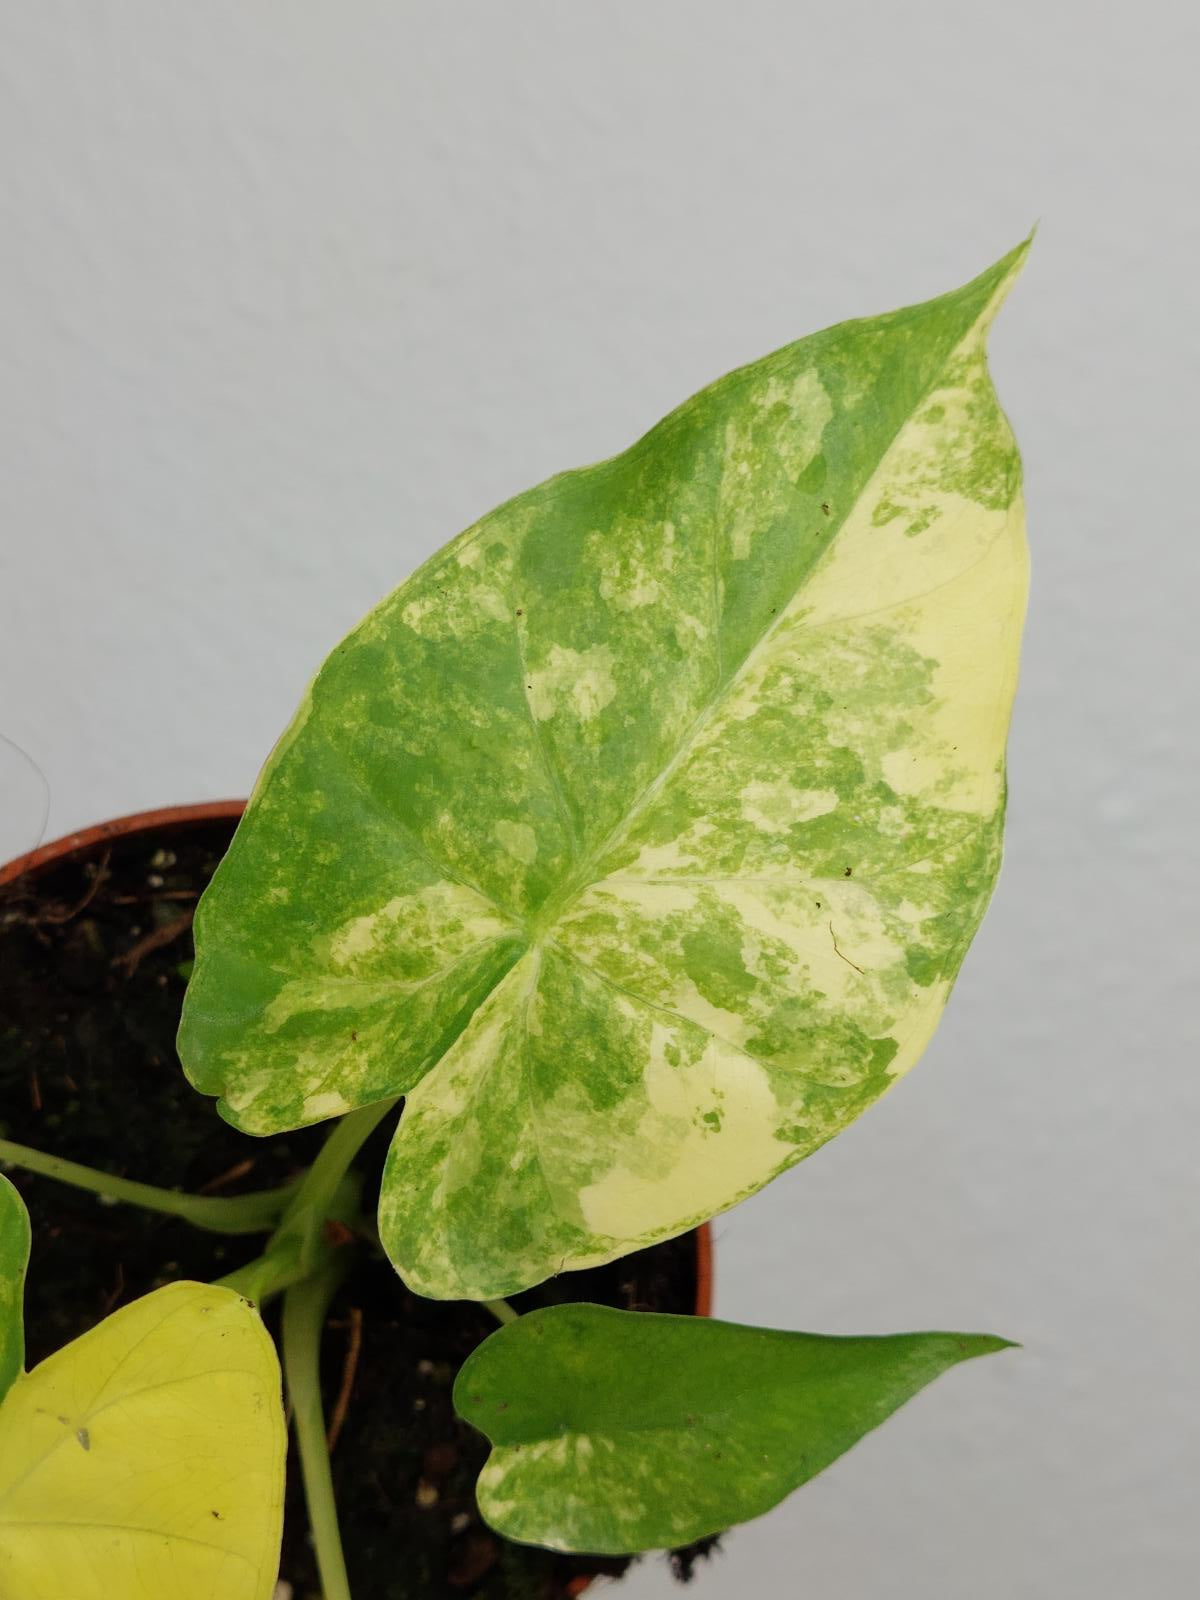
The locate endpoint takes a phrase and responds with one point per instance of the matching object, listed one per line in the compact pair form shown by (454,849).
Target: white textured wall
(291,292)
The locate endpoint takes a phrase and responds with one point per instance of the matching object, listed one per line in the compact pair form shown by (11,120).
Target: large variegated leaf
(614,1431)
(639,836)
(145,1460)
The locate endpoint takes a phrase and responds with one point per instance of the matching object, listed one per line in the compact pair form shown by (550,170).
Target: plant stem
(304,1307)
(251,1213)
(501,1310)
(299,1248)
(269,1274)
(301,1262)
(315,1194)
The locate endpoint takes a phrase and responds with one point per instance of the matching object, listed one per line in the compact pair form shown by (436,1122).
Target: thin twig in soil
(154,940)
(66,913)
(115,1293)
(240,1169)
(156,894)
(349,1369)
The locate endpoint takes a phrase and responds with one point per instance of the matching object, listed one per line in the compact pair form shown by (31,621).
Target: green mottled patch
(639,836)
(14,1259)
(614,1432)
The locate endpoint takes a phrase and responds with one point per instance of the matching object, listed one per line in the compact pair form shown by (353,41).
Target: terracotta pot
(170,819)
(78,844)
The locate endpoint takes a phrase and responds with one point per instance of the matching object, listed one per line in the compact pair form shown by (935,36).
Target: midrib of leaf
(368,797)
(527,1087)
(606,982)
(588,873)
(718,615)
(553,777)
(710,1422)
(748,1390)
(482,1077)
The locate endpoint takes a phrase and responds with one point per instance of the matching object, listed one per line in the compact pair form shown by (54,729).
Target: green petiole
(304,1307)
(251,1213)
(327,1193)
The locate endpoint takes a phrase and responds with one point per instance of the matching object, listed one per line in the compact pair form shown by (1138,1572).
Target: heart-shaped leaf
(617,1431)
(14,1258)
(145,1460)
(639,836)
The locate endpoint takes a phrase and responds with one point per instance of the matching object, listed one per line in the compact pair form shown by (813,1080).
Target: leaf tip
(1006,271)
(990,289)
(982,1344)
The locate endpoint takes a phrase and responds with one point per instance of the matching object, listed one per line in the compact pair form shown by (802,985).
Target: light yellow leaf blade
(145,1461)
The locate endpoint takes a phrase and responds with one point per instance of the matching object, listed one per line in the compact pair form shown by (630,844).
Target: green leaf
(146,1459)
(618,1431)
(639,836)
(14,1258)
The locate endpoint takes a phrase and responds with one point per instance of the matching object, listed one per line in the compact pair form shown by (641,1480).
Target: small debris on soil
(683,1561)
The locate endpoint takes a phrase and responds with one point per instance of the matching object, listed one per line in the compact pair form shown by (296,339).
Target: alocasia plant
(636,841)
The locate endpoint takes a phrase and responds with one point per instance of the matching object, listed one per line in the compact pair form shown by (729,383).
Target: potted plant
(632,847)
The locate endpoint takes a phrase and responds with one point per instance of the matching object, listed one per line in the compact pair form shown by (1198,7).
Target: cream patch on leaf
(698,1171)
(318,1107)
(775,806)
(519,839)
(441,920)
(578,682)
(957,761)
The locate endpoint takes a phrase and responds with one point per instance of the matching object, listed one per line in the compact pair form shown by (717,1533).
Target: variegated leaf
(639,836)
(617,1431)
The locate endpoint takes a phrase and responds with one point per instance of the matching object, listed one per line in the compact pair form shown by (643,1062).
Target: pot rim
(83,839)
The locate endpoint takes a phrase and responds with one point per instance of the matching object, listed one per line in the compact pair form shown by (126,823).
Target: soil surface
(94,958)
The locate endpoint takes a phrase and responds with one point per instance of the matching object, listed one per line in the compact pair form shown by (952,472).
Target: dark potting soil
(94,957)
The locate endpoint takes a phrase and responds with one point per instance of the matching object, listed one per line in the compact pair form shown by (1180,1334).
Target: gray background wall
(289,293)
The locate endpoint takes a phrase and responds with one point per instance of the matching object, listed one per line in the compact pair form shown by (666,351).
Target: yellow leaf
(145,1461)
